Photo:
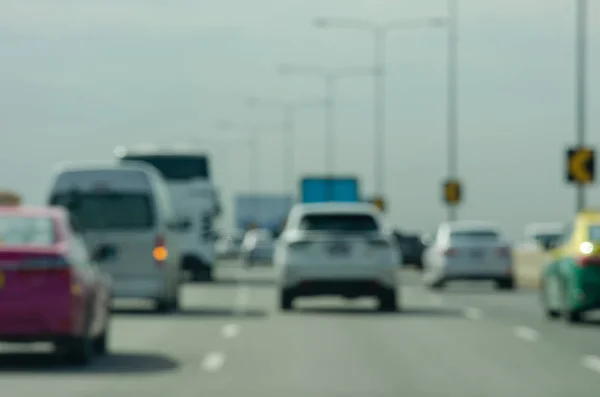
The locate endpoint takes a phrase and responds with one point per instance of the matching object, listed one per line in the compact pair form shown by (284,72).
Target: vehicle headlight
(586,247)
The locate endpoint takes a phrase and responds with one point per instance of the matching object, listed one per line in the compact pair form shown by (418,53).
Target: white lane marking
(526,333)
(473,313)
(591,363)
(230,331)
(213,362)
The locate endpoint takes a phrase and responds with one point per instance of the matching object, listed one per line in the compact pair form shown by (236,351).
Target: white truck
(194,196)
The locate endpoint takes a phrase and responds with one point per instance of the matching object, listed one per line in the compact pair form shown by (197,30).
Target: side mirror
(104,253)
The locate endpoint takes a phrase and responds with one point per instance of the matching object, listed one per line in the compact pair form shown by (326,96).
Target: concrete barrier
(528,266)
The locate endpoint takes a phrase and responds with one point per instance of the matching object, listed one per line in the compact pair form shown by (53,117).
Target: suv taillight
(450,252)
(503,252)
(160,252)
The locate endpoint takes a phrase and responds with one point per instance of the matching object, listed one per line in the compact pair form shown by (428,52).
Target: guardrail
(528,266)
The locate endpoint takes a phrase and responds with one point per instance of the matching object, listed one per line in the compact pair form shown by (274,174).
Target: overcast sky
(80,77)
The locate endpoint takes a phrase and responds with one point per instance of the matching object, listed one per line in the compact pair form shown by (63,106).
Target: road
(230,340)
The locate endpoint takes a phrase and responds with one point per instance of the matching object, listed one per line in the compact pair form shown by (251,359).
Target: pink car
(50,291)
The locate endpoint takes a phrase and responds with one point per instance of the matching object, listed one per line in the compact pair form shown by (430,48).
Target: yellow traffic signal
(452,192)
(580,165)
(379,203)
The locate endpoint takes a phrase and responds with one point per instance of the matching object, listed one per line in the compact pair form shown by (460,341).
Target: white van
(187,173)
(125,211)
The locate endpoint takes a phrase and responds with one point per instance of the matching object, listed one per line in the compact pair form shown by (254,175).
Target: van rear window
(27,230)
(111,211)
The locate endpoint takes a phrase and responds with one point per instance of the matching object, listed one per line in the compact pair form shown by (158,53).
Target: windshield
(177,168)
(27,230)
(338,223)
(112,211)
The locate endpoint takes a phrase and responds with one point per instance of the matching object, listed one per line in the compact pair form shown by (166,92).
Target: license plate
(339,249)
(477,254)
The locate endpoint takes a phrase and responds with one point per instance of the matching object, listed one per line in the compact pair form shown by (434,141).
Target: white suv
(336,249)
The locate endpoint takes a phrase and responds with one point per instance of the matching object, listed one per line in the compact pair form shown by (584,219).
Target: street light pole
(581,78)
(330,124)
(452,98)
(289,144)
(379,109)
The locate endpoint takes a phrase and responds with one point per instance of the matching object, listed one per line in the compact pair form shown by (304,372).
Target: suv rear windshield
(27,230)
(474,235)
(339,223)
(177,168)
(111,211)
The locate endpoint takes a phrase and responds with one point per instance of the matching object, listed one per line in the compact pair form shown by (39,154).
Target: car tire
(569,315)
(437,285)
(286,300)
(162,305)
(387,301)
(175,303)
(100,344)
(505,284)
(80,351)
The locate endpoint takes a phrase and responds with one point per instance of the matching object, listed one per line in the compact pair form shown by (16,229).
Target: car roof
(336,207)
(28,210)
(155,149)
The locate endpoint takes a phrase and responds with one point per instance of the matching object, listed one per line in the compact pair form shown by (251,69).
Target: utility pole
(581,93)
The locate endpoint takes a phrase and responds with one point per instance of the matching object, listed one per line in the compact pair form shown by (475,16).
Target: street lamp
(581,82)
(289,108)
(380,32)
(330,77)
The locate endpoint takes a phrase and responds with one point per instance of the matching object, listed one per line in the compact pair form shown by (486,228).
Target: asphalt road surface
(230,340)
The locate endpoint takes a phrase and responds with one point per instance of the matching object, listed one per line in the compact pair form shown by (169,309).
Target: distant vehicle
(229,245)
(336,249)
(468,250)
(50,290)
(257,247)
(262,211)
(543,235)
(195,197)
(571,280)
(411,248)
(127,216)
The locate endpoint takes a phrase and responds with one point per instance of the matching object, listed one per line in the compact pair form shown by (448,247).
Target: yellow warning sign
(452,192)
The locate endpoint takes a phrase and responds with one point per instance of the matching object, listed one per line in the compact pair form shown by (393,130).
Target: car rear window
(474,235)
(339,222)
(112,211)
(27,230)
(594,233)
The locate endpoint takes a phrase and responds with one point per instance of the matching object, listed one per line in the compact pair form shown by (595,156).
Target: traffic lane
(329,347)
(168,352)
(521,311)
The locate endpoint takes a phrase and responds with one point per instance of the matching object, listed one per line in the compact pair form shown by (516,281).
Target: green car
(571,280)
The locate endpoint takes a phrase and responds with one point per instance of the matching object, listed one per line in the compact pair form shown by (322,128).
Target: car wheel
(100,344)
(162,305)
(80,351)
(286,300)
(175,303)
(506,284)
(437,285)
(569,315)
(387,301)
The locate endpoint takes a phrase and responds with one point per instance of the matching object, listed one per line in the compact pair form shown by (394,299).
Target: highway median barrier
(528,266)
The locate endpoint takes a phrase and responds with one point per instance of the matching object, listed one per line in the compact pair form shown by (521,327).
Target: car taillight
(585,261)
(160,252)
(503,252)
(450,252)
(57,265)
